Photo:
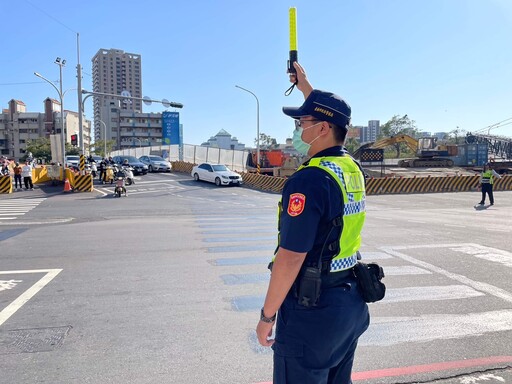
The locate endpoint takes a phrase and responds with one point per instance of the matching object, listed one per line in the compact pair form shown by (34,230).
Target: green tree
(70,150)
(351,144)
(40,149)
(456,135)
(266,141)
(99,147)
(399,126)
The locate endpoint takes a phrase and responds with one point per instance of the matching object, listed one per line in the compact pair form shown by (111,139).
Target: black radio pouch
(369,278)
(309,287)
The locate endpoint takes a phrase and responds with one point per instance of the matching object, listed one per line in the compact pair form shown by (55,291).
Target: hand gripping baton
(293,45)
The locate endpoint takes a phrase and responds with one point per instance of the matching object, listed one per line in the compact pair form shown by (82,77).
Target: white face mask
(300,145)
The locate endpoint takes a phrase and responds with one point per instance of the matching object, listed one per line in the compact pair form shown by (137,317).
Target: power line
(496,125)
(50,16)
(28,82)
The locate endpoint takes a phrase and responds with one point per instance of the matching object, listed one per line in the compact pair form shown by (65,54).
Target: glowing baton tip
(293,28)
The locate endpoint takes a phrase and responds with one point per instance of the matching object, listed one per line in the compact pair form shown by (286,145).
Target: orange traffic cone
(67,186)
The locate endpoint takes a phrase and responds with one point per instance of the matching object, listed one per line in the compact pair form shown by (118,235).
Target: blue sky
(444,63)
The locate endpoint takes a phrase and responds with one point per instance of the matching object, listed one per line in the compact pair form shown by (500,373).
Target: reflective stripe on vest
(350,180)
(487,177)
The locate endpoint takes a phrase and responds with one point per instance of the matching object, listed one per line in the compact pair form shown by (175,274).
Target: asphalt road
(165,285)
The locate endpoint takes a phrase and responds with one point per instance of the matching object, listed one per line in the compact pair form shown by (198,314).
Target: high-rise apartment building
(371,132)
(115,72)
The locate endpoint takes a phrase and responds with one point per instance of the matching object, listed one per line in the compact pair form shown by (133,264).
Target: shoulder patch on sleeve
(296,204)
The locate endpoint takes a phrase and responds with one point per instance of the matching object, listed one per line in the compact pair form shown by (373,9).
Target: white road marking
(477,379)
(8,284)
(375,256)
(479,286)
(154,182)
(17,207)
(433,293)
(386,331)
(454,225)
(100,191)
(405,270)
(486,253)
(50,221)
(29,293)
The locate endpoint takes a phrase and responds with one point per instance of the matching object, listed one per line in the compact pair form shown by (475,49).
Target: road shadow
(479,207)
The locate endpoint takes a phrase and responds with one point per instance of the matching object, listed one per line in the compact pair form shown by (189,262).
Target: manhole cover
(32,340)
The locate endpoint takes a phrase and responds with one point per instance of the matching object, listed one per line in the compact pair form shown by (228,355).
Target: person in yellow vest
(486,183)
(313,297)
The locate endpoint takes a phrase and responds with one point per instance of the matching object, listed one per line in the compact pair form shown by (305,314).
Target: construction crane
(499,147)
(428,152)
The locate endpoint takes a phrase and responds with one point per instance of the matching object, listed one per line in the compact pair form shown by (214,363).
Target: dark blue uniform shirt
(316,199)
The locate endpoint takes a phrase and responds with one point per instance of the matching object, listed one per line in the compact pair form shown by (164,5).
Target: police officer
(322,211)
(486,183)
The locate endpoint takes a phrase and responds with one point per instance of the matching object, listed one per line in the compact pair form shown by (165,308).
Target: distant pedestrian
(4,170)
(94,168)
(486,183)
(17,176)
(103,169)
(26,172)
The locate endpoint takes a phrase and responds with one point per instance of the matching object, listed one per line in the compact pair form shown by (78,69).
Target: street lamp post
(257,125)
(104,138)
(140,141)
(60,63)
(140,144)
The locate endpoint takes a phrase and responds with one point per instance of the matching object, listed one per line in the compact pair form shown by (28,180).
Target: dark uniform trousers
(316,345)
(487,188)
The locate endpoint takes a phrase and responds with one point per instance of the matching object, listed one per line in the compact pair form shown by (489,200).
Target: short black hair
(340,133)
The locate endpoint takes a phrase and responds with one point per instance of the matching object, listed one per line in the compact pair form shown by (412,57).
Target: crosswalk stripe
(14,208)
(477,285)
(387,331)
(432,293)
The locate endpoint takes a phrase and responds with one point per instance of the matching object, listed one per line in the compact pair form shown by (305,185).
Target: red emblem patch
(296,204)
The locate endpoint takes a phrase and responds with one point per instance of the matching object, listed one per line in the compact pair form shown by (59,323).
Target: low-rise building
(223,140)
(18,127)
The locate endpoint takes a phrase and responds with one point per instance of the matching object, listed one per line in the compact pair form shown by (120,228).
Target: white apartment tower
(114,72)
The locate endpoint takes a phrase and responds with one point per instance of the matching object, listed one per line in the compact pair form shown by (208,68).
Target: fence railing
(195,154)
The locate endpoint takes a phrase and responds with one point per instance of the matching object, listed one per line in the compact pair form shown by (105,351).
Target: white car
(72,161)
(216,173)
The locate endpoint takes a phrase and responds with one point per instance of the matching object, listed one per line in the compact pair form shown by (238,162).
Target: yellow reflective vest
(487,177)
(350,179)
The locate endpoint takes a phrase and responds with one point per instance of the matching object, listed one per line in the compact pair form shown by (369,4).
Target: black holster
(308,286)
(369,278)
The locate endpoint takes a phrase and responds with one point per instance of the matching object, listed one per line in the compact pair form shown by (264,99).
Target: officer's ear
(329,127)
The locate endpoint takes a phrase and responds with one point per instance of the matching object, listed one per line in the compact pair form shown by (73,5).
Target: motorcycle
(120,187)
(109,174)
(128,173)
(125,172)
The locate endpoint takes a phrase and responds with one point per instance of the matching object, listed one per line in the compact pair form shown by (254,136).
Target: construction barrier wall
(378,185)
(5,184)
(82,183)
(394,185)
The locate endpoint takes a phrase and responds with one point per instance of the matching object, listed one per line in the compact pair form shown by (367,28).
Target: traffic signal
(74,140)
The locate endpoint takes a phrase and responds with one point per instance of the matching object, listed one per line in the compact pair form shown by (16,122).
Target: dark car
(138,167)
